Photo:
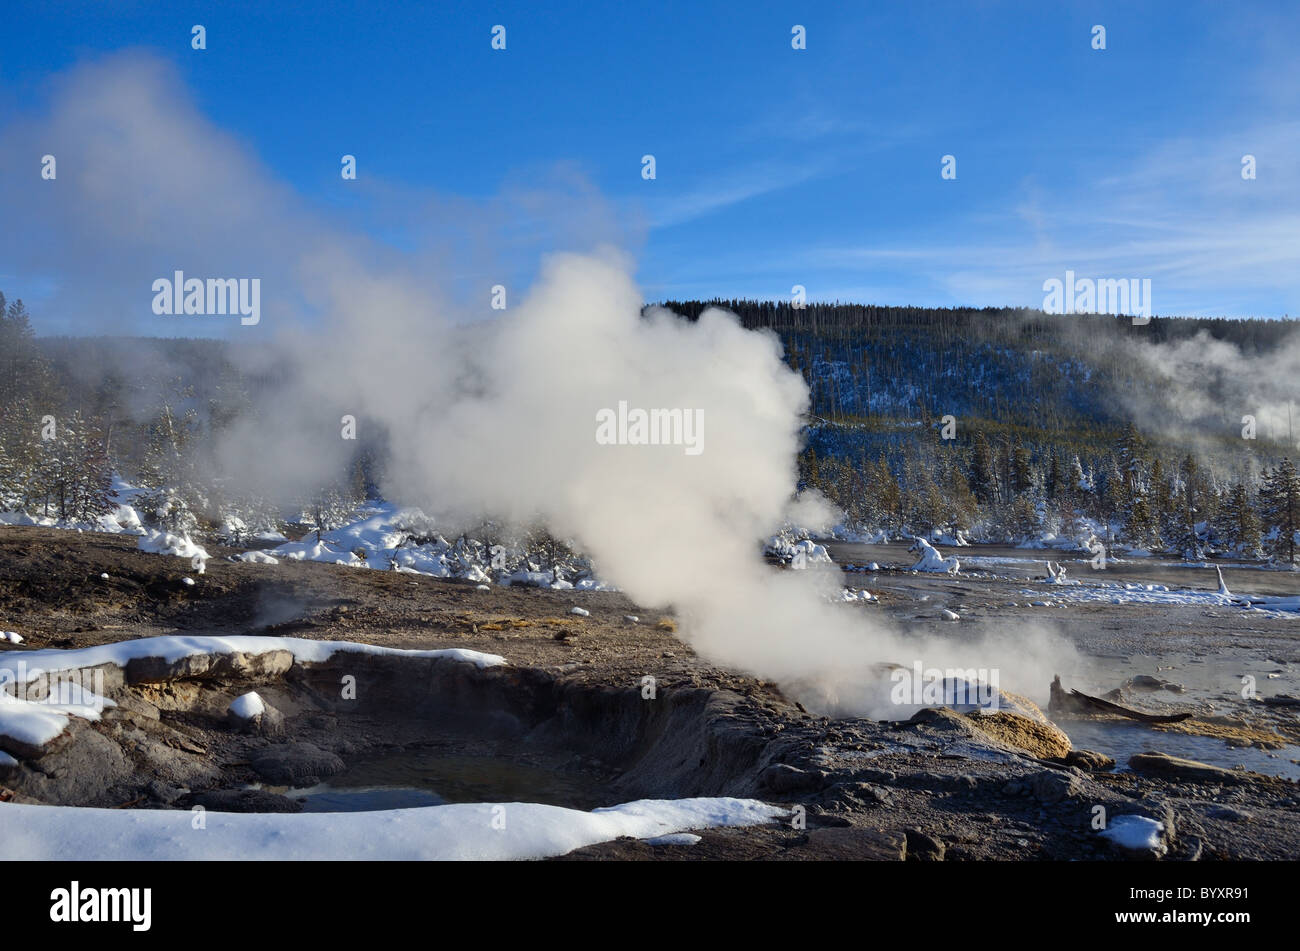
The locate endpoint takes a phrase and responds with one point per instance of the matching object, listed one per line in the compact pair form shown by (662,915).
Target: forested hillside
(1004,424)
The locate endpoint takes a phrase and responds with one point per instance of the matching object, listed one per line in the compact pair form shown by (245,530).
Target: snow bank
(461,831)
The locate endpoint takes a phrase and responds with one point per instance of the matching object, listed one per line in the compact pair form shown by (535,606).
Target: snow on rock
(35,723)
(172,647)
(797,553)
(11,637)
(187,580)
(1136,833)
(676,838)
(1223,585)
(631,618)
(581,612)
(856,594)
(247,706)
(957,539)
(460,831)
(391,538)
(257,557)
(951,615)
(929,559)
(1056,574)
(165,543)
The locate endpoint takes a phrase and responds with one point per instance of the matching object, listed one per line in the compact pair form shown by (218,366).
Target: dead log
(1081,702)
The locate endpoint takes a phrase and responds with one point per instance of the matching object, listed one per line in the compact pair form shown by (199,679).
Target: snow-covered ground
(1134,593)
(464,831)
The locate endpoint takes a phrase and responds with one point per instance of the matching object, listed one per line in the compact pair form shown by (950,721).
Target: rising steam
(483,417)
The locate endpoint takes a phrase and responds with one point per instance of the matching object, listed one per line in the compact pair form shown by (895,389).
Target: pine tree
(1022,472)
(983,471)
(1280,504)
(1237,523)
(1131,462)
(1052,484)
(1022,519)
(1140,527)
(1191,505)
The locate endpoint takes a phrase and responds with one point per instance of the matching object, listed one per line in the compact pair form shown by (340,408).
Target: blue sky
(775,167)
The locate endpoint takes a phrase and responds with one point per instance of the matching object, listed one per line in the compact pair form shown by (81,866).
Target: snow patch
(460,831)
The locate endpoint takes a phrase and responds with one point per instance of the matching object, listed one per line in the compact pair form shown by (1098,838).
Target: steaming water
(412,778)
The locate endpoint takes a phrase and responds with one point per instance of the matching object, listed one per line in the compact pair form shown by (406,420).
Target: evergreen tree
(1237,523)
(1280,504)
(983,471)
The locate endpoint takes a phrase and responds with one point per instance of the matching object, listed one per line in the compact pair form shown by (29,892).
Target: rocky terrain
(572,700)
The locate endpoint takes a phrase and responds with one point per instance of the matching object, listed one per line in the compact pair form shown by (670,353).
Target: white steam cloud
(487,417)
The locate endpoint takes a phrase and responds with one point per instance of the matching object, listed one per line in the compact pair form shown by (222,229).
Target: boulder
(1089,760)
(1175,767)
(296,764)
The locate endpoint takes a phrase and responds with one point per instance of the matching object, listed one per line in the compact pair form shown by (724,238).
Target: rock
(1147,682)
(1042,739)
(783,778)
(851,843)
(164,792)
(296,764)
(1089,760)
(1052,786)
(235,665)
(1175,767)
(923,847)
(1012,788)
(249,713)
(1228,814)
(858,793)
(886,776)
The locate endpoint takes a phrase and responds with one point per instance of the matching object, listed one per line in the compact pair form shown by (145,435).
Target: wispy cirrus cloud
(1182,215)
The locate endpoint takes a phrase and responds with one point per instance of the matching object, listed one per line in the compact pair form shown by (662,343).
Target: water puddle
(414,778)
(1122,740)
